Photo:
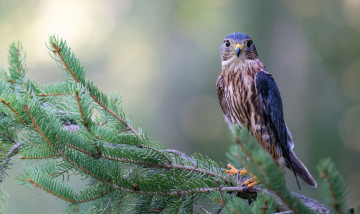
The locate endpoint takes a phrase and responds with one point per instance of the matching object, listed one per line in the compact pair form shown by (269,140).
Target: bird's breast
(239,90)
(242,103)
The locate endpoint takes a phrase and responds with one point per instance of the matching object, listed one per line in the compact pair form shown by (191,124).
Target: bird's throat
(239,64)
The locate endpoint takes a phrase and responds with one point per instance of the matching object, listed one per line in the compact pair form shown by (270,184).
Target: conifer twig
(68,199)
(18,56)
(7,104)
(81,111)
(36,158)
(53,95)
(10,81)
(160,152)
(116,116)
(84,120)
(124,130)
(48,191)
(26,109)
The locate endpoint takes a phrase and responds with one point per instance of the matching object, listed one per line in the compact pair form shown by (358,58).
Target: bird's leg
(232,170)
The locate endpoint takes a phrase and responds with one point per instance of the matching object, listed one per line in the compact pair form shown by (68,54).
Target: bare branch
(204,210)
(13,151)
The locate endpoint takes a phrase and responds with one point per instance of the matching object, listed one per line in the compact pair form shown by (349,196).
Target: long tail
(300,170)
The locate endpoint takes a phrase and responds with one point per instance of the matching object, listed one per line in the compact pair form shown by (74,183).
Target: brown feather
(239,102)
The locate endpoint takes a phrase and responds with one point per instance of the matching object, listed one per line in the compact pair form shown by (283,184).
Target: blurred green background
(164,57)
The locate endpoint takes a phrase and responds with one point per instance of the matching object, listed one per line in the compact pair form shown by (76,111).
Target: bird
(249,97)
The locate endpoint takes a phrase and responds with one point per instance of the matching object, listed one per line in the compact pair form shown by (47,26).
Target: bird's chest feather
(241,99)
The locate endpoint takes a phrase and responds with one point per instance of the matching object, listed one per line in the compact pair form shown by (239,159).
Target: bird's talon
(250,183)
(242,172)
(247,182)
(233,171)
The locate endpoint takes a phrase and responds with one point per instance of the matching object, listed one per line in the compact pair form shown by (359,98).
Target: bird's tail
(300,170)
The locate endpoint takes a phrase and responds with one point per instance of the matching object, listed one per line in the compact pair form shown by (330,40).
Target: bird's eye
(227,43)
(248,43)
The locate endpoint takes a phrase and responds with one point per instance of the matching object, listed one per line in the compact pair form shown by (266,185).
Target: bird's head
(239,47)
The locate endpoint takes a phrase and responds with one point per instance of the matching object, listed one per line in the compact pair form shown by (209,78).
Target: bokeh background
(164,57)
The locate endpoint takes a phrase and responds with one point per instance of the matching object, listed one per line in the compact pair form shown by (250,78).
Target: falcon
(250,98)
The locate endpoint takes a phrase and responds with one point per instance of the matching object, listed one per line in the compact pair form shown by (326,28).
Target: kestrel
(250,98)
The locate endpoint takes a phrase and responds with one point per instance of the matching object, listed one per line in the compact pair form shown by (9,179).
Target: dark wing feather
(271,105)
(272,110)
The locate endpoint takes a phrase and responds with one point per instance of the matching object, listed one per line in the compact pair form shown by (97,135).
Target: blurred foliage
(165,55)
(333,185)
(3,199)
(4,148)
(5,142)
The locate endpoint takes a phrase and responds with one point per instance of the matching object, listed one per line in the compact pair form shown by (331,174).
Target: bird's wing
(220,92)
(272,111)
(271,106)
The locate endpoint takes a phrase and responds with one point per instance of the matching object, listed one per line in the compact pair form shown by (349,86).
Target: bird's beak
(238,48)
